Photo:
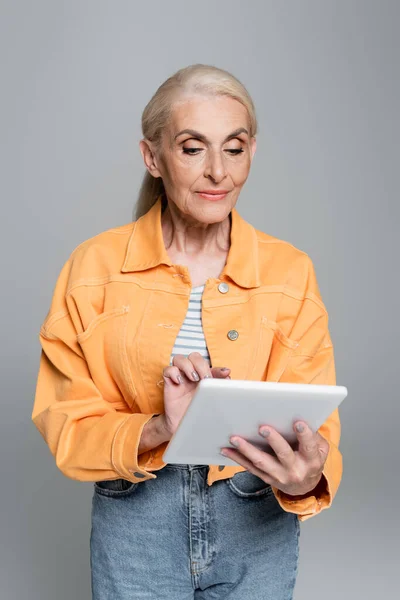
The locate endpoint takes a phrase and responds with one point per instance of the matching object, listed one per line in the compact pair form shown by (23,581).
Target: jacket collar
(146,248)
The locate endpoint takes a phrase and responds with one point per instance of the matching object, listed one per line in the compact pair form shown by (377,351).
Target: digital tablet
(221,408)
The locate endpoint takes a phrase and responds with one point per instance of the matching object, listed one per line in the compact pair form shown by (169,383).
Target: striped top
(191,335)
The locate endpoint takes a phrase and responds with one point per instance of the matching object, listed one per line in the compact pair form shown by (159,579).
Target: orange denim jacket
(117,307)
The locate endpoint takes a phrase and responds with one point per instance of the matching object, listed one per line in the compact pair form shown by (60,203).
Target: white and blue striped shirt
(191,335)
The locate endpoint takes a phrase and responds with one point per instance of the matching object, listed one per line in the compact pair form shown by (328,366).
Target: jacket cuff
(124,452)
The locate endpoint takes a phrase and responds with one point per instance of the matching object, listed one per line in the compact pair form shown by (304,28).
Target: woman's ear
(149,157)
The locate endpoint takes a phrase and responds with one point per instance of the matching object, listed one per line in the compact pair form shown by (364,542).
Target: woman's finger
(200,365)
(308,445)
(172,373)
(195,367)
(194,372)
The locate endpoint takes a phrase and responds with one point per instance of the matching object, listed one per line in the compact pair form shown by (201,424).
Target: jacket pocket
(115,488)
(104,345)
(274,350)
(101,318)
(247,485)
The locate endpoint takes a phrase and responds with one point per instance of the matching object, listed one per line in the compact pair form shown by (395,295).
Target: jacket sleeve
(89,439)
(312,361)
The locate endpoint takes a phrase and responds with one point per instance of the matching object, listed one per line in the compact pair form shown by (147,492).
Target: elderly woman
(141,313)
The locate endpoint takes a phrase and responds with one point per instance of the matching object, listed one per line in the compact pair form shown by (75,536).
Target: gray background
(324,77)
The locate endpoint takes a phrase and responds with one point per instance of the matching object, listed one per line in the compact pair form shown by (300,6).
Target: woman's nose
(215,167)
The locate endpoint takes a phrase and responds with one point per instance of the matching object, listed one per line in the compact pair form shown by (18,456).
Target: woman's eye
(235,150)
(191,150)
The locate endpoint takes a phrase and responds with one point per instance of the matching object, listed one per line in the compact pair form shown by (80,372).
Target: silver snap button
(233,334)
(223,288)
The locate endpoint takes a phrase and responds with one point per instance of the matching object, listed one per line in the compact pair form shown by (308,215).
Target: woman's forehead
(208,114)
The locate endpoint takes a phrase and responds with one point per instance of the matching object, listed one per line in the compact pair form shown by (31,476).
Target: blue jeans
(176,538)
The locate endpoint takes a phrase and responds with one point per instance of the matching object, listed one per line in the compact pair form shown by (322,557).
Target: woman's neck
(203,249)
(192,238)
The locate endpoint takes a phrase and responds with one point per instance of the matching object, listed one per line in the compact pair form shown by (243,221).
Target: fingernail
(180,378)
(225,369)
(207,376)
(234,442)
(265,432)
(195,376)
(300,427)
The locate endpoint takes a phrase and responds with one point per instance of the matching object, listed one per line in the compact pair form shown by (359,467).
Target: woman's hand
(294,472)
(180,383)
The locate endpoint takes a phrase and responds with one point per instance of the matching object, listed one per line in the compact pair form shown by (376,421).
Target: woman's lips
(213,196)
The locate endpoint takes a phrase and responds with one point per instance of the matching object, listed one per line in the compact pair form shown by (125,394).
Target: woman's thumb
(220,372)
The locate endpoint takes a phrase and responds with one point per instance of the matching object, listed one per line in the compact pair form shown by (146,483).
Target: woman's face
(205,148)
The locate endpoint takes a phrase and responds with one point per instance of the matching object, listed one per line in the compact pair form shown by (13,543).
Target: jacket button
(233,334)
(223,288)
(137,474)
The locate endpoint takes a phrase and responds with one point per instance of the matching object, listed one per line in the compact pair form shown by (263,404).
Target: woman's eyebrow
(200,136)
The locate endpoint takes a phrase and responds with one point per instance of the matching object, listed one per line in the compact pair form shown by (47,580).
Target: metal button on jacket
(223,288)
(233,334)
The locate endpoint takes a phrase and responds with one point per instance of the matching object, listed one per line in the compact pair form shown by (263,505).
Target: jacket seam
(114,277)
(311,296)
(93,237)
(123,229)
(256,351)
(139,333)
(324,368)
(90,281)
(113,445)
(129,245)
(45,328)
(105,316)
(310,354)
(125,364)
(291,292)
(283,289)
(284,242)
